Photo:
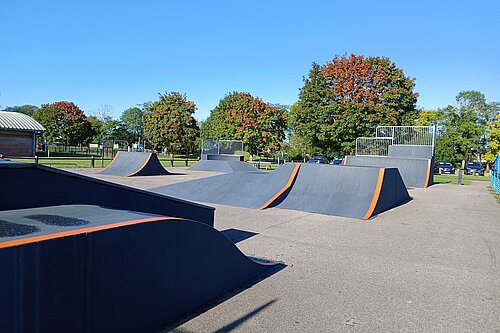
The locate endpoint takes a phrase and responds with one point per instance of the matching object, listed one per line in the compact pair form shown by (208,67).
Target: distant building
(18,134)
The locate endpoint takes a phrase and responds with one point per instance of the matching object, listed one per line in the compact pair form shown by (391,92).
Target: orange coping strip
(376,195)
(88,230)
(428,178)
(286,187)
(113,161)
(142,167)
(196,162)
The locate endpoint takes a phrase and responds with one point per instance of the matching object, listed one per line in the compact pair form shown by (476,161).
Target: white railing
(373,146)
(409,135)
(221,147)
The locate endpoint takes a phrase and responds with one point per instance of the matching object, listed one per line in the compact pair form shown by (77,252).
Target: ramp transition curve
(134,164)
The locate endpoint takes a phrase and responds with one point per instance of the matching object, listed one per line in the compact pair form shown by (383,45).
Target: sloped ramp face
(129,164)
(416,172)
(34,185)
(357,192)
(92,269)
(223,166)
(241,189)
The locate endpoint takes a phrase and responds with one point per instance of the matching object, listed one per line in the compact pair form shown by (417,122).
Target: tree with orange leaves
(347,98)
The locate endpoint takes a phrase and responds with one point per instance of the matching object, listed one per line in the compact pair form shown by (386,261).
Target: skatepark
(303,248)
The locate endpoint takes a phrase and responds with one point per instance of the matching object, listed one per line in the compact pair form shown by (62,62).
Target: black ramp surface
(241,189)
(411,151)
(223,166)
(34,185)
(339,190)
(134,164)
(416,172)
(132,276)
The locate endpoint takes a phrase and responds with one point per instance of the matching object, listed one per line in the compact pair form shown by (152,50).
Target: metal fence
(373,146)
(409,135)
(495,175)
(221,147)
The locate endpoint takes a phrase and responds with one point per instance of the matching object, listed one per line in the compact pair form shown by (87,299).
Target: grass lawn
(63,163)
(453,179)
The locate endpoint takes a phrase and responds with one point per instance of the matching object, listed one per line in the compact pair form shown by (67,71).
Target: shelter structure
(18,134)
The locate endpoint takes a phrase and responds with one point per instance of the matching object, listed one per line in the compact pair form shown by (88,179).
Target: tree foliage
(26,109)
(169,124)
(347,98)
(65,123)
(240,116)
(132,120)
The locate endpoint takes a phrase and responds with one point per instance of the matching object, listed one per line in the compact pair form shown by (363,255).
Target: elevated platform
(416,172)
(127,164)
(86,268)
(223,166)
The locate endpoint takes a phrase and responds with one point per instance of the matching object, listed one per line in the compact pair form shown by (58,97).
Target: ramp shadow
(231,326)
(237,235)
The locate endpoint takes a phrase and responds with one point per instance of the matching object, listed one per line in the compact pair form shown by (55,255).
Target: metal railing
(409,135)
(221,147)
(373,146)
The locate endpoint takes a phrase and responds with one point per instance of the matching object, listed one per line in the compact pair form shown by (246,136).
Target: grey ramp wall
(134,278)
(241,189)
(216,157)
(411,151)
(134,163)
(393,192)
(413,170)
(33,185)
(223,166)
(337,190)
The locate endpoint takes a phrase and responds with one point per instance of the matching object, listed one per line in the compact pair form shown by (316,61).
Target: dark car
(474,168)
(318,160)
(336,161)
(445,167)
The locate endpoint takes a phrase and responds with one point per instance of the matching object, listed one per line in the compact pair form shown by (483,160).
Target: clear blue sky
(122,53)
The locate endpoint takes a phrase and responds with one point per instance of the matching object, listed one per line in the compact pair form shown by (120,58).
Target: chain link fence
(373,146)
(222,147)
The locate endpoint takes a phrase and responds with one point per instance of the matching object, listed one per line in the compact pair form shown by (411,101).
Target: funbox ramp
(416,172)
(27,185)
(84,268)
(129,164)
(359,192)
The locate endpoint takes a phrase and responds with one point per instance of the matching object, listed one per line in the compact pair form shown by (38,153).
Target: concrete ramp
(416,172)
(241,189)
(358,192)
(223,166)
(87,268)
(128,164)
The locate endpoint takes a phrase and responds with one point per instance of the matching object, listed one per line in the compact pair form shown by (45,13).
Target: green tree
(347,98)
(240,116)
(65,123)
(26,109)
(494,137)
(132,120)
(169,123)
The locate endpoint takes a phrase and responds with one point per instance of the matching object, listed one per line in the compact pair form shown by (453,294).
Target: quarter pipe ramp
(134,164)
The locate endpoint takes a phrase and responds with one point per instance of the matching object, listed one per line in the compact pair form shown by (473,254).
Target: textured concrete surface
(428,266)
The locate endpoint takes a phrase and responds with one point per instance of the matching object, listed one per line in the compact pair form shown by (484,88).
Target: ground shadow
(237,235)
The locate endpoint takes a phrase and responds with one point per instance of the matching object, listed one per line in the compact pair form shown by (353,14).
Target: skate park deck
(223,166)
(81,268)
(129,164)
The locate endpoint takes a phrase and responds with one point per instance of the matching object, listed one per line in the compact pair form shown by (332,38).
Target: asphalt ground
(427,266)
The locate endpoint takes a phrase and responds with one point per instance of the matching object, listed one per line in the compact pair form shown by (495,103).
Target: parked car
(474,168)
(336,161)
(445,167)
(318,160)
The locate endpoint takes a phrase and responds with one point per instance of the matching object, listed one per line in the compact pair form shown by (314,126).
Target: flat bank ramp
(416,172)
(223,166)
(87,268)
(241,189)
(359,192)
(128,164)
